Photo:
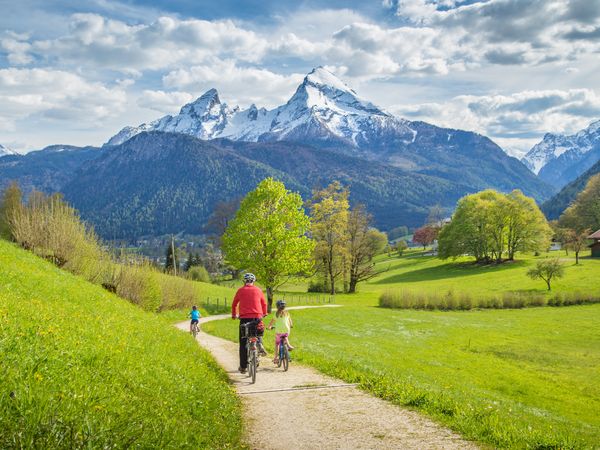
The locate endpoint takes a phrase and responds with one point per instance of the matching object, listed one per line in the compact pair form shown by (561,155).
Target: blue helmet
(280,304)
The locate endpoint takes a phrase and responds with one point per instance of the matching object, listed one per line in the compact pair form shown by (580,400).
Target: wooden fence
(291,299)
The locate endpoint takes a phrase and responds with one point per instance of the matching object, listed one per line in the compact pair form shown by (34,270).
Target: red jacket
(251,301)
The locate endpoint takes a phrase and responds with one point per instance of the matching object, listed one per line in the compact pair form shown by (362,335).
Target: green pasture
(509,378)
(82,368)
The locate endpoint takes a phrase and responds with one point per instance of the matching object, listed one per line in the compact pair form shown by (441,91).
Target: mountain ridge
(559,159)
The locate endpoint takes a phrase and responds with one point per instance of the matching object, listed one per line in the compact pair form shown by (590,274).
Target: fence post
(217,302)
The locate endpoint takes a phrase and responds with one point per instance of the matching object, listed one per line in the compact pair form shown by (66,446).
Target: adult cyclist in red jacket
(252,306)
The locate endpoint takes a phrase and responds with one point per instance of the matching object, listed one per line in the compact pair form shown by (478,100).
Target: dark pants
(252,331)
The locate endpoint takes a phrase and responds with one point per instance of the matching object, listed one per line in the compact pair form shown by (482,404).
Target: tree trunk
(352,287)
(576,258)
(548,283)
(269,299)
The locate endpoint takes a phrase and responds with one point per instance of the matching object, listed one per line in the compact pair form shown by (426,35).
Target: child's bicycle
(284,355)
(195,330)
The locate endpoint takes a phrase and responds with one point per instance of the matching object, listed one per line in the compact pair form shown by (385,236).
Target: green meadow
(82,368)
(525,378)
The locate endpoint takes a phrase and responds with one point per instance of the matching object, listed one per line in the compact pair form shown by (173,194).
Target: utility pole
(174,257)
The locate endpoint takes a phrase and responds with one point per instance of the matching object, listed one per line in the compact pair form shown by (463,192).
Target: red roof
(595,235)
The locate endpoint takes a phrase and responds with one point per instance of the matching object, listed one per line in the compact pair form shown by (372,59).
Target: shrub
(464,301)
(139,285)
(199,273)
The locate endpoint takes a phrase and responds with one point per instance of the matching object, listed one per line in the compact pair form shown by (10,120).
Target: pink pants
(280,337)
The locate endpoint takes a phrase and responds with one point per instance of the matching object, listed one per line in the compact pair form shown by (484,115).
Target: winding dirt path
(304,409)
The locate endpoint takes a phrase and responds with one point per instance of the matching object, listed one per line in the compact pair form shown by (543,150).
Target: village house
(595,246)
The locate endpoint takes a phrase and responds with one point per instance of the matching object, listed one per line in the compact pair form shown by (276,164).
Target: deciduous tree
(329,211)
(547,270)
(363,244)
(268,236)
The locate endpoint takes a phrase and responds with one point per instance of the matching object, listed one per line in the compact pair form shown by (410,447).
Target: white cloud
(517,121)
(94,40)
(239,85)
(164,102)
(55,95)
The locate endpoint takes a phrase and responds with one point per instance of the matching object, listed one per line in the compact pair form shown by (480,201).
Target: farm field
(508,378)
(82,368)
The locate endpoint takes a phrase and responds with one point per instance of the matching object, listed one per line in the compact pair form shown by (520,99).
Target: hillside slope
(159,182)
(554,207)
(82,368)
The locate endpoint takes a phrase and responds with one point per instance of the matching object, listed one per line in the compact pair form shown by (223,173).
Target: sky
(76,72)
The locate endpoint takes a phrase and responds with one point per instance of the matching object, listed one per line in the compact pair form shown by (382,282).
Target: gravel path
(304,409)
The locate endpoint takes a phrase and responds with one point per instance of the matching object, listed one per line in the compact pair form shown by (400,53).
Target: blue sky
(76,72)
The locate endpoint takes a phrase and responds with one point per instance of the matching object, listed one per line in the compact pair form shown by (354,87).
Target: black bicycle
(252,348)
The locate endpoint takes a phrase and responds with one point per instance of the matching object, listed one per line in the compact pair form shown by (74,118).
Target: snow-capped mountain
(559,159)
(4,151)
(323,108)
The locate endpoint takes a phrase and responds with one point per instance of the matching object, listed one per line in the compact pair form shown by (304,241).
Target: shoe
(241,370)
(262,352)
(276,361)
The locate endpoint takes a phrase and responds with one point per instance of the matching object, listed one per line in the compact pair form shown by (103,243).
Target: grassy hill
(84,368)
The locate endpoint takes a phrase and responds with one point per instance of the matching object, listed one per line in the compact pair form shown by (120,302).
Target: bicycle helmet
(280,304)
(249,278)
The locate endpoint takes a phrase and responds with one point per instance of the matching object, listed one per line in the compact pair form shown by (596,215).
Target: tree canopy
(268,235)
(489,225)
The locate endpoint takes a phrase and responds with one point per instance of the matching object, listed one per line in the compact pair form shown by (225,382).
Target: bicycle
(284,355)
(195,330)
(252,349)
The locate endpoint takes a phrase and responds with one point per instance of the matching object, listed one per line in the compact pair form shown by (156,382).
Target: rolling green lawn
(415,272)
(508,378)
(82,368)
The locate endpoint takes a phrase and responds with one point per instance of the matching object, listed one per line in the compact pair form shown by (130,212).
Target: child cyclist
(195,315)
(282,322)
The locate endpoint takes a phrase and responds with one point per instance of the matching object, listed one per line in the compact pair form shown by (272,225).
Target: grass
(82,368)
(519,378)
(508,378)
(420,274)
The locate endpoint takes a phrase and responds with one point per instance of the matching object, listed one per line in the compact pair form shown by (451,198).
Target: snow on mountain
(4,151)
(564,156)
(322,108)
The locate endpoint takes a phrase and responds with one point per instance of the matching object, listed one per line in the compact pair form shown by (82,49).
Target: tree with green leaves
(329,209)
(577,240)
(585,210)
(401,247)
(268,236)
(489,224)
(547,270)
(364,243)
(12,200)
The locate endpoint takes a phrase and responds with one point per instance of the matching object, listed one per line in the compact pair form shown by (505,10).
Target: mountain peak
(6,151)
(202,104)
(322,77)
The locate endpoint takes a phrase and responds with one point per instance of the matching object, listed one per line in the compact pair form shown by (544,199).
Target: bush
(199,273)
(450,301)
(177,292)
(140,285)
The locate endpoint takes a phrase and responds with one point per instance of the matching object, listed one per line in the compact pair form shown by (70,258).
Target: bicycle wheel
(252,366)
(195,330)
(286,359)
